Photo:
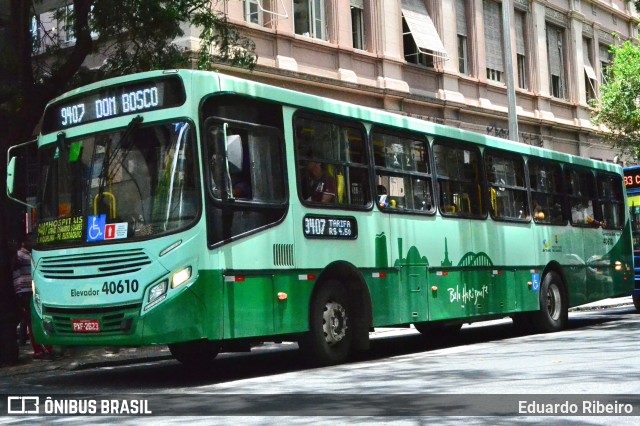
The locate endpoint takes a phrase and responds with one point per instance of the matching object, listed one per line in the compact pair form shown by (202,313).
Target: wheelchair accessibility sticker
(535,280)
(98,229)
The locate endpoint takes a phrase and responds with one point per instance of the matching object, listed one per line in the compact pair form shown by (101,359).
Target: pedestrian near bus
(24,293)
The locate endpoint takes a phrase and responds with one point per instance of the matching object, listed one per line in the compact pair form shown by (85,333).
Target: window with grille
(493,40)
(309,18)
(357,24)
(461,28)
(555,53)
(521,53)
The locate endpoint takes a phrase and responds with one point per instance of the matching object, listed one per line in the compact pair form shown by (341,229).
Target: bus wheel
(330,331)
(553,313)
(636,303)
(197,353)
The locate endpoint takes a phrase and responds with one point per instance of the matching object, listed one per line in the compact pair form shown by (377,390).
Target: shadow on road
(283,359)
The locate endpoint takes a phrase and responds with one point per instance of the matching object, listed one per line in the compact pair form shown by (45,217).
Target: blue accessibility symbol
(535,280)
(95,227)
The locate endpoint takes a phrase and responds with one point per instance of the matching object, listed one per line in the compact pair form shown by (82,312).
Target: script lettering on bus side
(316,226)
(467,295)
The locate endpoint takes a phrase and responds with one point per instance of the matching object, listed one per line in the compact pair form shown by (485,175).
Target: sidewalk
(604,304)
(79,358)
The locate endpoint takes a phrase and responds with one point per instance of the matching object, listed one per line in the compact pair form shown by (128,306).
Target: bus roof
(231,84)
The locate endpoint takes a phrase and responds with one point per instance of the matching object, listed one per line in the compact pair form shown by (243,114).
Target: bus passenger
(538,212)
(319,187)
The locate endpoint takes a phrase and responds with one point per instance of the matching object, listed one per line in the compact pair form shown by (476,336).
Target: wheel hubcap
(334,323)
(553,302)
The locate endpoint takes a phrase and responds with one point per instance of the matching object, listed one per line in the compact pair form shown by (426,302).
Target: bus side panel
(248,307)
(526,296)
(266,305)
(209,289)
(182,319)
(289,313)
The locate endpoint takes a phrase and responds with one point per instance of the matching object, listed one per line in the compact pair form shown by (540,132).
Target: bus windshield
(118,185)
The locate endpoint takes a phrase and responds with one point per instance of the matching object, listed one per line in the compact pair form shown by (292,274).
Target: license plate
(86,326)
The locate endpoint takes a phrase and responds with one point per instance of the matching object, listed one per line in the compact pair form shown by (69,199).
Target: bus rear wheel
(197,353)
(554,308)
(330,334)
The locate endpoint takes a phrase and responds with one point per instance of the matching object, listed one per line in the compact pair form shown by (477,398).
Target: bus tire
(330,336)
(636,303)
(554,308)
(197,353)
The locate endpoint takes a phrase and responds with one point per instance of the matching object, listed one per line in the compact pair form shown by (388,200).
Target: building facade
(442,60)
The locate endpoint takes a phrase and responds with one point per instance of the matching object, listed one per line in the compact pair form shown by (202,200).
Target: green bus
(208,213)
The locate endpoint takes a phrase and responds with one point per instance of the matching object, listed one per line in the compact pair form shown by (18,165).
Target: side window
(610,200)
(580,188)
(332,163)
(545,179)
(459,174)
(507,188)
(246,177)
(403,175)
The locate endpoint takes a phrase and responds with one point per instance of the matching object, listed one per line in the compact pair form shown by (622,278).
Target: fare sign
(337,227)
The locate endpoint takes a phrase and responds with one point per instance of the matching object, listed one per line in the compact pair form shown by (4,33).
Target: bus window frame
(525,180)
(233,205)
(564,204)
(386,171)
(239,202)
(367,167)
(620,202)
(566,169)
(464,145)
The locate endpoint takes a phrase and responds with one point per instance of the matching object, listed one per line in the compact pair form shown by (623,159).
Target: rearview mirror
(11,172)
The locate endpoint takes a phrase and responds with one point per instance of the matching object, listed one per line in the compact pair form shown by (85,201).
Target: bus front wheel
(554,309)
(636,303)
(330,334)
(197,353)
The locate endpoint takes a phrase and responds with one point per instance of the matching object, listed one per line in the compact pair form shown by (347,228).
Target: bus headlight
(618,265)
(158,290)
(181,277)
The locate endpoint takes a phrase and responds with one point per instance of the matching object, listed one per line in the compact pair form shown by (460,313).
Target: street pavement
(79,358)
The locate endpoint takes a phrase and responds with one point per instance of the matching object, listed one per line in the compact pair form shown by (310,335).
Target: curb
(115,362)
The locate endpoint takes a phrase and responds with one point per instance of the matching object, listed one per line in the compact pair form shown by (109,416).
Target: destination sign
(632,178)
(67,229)
(114,101)
(338,227)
